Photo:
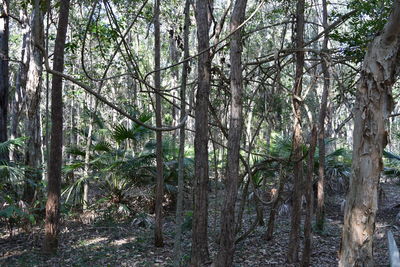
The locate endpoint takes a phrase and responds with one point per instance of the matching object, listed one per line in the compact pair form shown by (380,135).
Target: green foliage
(12,144)
(120,159)
(187,221)
(362,27)
(12,173)
(392,164)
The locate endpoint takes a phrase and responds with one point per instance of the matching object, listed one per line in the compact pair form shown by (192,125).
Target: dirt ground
(130,243)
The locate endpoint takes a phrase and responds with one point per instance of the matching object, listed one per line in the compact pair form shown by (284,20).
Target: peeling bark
(33,153)
(374,102)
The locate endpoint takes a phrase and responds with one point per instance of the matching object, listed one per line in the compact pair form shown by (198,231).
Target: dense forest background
(190,133)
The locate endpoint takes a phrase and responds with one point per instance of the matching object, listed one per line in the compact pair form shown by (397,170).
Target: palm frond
(121,133)
(102,146)
(390,155)
(12,144)
(76,151)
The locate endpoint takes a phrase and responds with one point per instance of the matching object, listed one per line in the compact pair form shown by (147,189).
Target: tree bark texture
(269,234)
(33,153)
(374,103)
(181,156)
(320,213)
(158,236)
(305,262)
(4,33)
(224,257)
(85,197)
(293,248)
(199,253)
(55,161)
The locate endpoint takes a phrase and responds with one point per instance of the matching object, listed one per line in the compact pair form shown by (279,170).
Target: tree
(309,199)
(224,257)
(293,249)
(199,254)
(33,153)
(159,156)
(373,104)
(55,161)
(4,33)
(320,213)
(181,167)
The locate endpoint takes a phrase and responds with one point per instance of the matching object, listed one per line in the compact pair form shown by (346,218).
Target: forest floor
(129,244)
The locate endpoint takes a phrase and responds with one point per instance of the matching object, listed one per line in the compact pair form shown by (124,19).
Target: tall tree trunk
(374,103)
(85,197)
(20,84)
(320,214)
(297,138)
(174,56)
(199,254)
(4,33)
(33,153)
(226,251)
(159,151)
(309,198)
(181,165)
(55,161)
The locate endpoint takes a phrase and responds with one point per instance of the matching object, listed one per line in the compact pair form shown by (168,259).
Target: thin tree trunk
(274,209)
(33,153)
(239,222)
(320,214)
(85,198)
(373,104)
(181,156)
(158,236)
(309,198)
(200,254)
(174,56)
(55,161)
(294,240)
(224,257)
(4,33)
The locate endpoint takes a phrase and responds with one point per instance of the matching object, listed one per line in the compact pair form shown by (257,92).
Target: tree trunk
(309,198)
(158,236)
(374,103)
(274,209)
(224,257)
(4,33)
(85,197)
(17,105)
(293,249)
(33,153)
(320,214)
(181,156)
(55,161)
(199,254)
(239,220)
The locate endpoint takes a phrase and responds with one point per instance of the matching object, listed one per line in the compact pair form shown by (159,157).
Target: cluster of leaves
(392,164)
(122,159)
(368,20)
(13,210)
(337,163)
